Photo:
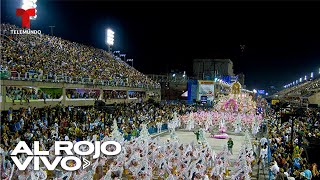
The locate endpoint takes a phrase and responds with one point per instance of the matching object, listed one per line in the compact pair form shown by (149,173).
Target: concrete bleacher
(309,90)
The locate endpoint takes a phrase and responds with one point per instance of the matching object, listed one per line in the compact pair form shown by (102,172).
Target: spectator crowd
(46,57)
(114,94)
(82,94)
(288,154)
(51,124)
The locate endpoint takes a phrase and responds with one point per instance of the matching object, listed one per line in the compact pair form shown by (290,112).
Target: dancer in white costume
(176,119)
(208,123)
(189,122)
(238,125)
(222,130)
(255,127)
(173,135)
(159,125)
(192,120)
(222,124)
(201,135)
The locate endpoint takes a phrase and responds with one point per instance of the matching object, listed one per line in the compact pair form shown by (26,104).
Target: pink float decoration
(221,136)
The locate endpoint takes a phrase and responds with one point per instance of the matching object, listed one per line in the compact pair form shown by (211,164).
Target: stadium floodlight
(28,4)
(130,60)
(109,38)
(173,75)
(305,77)
(311,74)
(300,79)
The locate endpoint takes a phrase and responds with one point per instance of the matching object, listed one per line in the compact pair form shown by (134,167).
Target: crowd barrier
(151,130)
(32,76)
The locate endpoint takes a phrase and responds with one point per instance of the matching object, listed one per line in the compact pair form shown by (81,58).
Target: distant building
(208,69)
(241,78)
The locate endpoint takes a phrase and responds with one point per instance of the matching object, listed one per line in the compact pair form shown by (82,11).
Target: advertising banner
(192,90)
(206,88)
(204,99)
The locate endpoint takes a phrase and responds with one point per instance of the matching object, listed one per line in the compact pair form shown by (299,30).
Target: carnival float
(235,112)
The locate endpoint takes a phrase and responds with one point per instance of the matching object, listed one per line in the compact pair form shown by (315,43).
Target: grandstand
(33,64)
(307,91)
(46,57)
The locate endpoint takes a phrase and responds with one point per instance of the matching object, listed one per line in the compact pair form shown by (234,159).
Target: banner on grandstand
(192,90)
(206,88)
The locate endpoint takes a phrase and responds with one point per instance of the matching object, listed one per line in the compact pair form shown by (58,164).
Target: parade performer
(159,125)
(208,123)
(189,122)
(197,133)
(238,125)
(230,145)
(222,130)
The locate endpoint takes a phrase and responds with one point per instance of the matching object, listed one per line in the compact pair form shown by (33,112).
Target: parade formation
(70,111)
(143,157)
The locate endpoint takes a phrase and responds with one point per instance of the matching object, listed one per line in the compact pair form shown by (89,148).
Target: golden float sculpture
(235,88)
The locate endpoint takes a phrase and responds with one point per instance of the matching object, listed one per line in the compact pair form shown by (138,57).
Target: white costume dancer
(201,135)
(159,125)
(175,118)
(192,120)
(208,123)
(255,127)
(238,125)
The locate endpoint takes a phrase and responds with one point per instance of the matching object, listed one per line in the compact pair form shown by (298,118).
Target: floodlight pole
(51,27)
(109,48)
(110,39)
(124,57)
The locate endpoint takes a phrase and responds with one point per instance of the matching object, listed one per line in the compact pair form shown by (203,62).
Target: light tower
(51,27)
(109,39)
(29,4)
(130,60)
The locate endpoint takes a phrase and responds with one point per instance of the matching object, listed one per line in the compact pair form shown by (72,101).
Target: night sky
(282,39)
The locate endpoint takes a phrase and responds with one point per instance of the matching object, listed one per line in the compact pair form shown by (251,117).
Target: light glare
(110,37)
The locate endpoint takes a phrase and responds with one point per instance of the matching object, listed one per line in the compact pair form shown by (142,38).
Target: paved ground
(217,144)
